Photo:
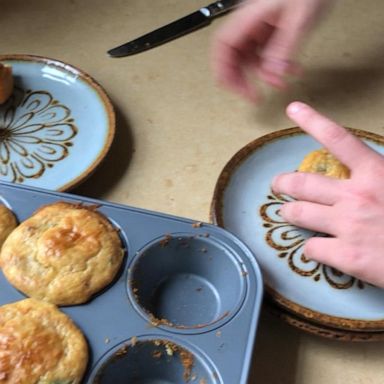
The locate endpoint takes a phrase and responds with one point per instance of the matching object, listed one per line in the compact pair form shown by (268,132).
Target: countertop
(176,128)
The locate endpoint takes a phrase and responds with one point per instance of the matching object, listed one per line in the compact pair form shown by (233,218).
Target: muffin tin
(184,307)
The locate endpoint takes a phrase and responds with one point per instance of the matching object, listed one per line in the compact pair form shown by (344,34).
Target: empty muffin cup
(187,282)
(152,361)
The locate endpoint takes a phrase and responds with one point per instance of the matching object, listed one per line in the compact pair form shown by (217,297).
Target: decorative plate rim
(92,83)
(322,330)
(216,217)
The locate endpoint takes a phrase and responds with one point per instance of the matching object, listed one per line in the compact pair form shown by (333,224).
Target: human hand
(262,36)
(350,210)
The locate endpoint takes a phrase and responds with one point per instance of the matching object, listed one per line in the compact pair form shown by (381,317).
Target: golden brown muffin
(7,223)
(64,253)
(40,345)
(323,162)
(6,82)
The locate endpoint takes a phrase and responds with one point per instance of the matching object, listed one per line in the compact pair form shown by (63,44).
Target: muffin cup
(153,360)
(186,282)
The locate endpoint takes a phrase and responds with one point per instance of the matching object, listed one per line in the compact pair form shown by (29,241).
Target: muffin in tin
(7,223)
(64,253)
(40,344)
(323,162)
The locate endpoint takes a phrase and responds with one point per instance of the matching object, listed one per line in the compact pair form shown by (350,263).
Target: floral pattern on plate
(288,242)
(36,131)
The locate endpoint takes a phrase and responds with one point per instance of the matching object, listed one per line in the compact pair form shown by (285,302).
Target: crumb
(165,241)
(197,224)
(186,358)
(187,362)
(244,273)
(133,341)
(156,354)
(202,381)
(106,340)
(218,333)
(204,250)
(122,351)
(199,289)
(169,350)
(155,322)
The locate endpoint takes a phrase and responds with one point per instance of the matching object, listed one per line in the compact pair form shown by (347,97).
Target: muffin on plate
(323,162)
(7,223)
(6,82)
(64,253)
(40,344)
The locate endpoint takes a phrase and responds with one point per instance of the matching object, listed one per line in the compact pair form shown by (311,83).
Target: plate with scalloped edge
(244,204)
(56,127)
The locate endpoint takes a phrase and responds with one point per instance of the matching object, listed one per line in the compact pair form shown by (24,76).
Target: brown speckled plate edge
(320,330)
(216,217)
(100,92)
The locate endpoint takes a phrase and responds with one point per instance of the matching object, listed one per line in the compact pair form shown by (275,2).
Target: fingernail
(295,107)
(274,181)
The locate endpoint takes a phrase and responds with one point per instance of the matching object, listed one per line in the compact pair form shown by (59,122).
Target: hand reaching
(350,210)
(262,36)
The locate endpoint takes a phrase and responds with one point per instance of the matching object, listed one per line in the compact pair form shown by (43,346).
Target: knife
(187,24)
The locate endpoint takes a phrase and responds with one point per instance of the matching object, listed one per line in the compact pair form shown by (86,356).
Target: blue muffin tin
(183,309)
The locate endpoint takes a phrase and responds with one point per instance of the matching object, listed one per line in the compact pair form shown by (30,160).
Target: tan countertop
(176,128)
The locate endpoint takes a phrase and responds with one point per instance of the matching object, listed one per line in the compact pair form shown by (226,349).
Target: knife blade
(177,28)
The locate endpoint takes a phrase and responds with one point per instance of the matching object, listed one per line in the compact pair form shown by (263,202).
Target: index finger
(339,141)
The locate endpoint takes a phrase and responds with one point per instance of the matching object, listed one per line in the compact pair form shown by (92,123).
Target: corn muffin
(40,345)
(323,162)
(63,254)
(7,223)
(6,82)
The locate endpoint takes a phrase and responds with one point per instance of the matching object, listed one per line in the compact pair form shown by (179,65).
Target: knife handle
(219,7)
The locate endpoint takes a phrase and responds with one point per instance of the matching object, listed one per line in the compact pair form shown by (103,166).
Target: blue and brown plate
(244,204)
(56,127)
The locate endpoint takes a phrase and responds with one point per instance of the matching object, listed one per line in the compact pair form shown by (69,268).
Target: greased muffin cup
(183,307)
(181,282)
(154,360)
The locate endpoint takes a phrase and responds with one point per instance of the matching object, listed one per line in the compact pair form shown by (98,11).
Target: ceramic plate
(321,330)
(244,204)
(56,127)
